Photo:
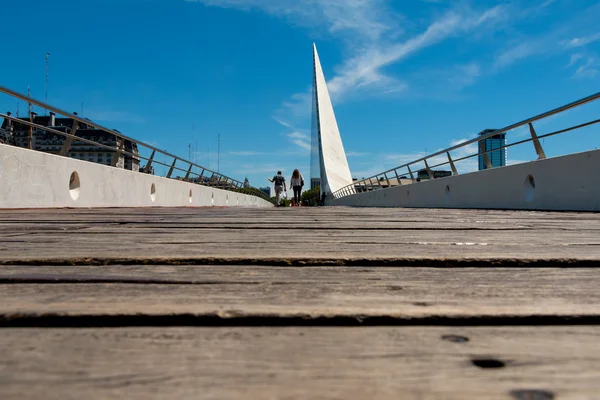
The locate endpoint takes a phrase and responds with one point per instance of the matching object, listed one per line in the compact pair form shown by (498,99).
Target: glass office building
(497,157)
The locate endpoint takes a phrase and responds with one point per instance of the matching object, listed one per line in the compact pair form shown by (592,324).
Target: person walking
(279,181)
(296,184)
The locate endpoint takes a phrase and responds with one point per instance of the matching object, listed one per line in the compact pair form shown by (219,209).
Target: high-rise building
(315,183)
(497,157)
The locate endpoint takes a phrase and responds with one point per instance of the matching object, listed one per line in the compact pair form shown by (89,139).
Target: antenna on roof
(46,87)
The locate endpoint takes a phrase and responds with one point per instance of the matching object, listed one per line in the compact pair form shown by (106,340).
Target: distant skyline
(406,77)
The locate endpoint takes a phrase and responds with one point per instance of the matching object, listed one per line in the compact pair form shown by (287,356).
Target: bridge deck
(299,303)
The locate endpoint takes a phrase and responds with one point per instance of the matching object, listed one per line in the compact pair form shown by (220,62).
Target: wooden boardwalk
(312,303)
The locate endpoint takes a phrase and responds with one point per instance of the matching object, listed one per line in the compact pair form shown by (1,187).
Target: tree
(311,197)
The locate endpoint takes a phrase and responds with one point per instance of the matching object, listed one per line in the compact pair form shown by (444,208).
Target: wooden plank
(240,291)
(301,363)
(328,233)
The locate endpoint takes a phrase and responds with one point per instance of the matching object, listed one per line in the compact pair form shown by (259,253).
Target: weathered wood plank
(301,363)
(290,291)
(38,235)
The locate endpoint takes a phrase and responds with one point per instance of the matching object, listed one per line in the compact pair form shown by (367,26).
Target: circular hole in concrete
(455,338)
(529,188)
(532,394)
(190,196)
(488,363)
(74,185)
(153,192)
(447,195)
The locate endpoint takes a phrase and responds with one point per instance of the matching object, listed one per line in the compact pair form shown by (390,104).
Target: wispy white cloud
(574,58)
(589,69)
(517,53)
(297,137)
(586,65)
(372,35)
(357,154)
(300,139)
(368,20)
(582,41)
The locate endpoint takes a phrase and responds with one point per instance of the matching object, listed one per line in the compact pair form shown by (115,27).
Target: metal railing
(206,176)
(385,179)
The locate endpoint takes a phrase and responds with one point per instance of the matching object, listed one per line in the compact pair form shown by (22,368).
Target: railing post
(397,178)
(387,179)
(187,175)
(149,163)
(454,171)
(30,137)
(172,168)
(64,150)
(428,170)
(412,177)
(536,143)
(482,151)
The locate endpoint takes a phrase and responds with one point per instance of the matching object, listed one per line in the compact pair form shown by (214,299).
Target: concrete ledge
(33,179)
(566,183)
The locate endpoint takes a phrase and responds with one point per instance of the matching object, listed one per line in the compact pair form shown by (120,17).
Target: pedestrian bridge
(51,178)
(568,182)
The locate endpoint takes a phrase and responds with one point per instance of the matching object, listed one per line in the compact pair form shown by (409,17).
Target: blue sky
(406,77)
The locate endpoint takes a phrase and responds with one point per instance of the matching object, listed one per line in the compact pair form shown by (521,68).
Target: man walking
(279,181)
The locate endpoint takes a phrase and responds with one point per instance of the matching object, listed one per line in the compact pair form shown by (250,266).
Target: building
(315,183)
(5,136)
(21,135)
(6,132)
(423,175)
(497,158)
(246,183)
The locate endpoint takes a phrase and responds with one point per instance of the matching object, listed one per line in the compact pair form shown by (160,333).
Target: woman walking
(296,183)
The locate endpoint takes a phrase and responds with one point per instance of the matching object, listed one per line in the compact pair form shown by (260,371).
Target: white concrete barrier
(32,179)
(566,183)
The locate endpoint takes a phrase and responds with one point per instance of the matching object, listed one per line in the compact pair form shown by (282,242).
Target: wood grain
(283,267)
(299,363)
(297,233)
(289,291)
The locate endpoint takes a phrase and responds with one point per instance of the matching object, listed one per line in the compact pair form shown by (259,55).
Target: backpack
(301,180)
